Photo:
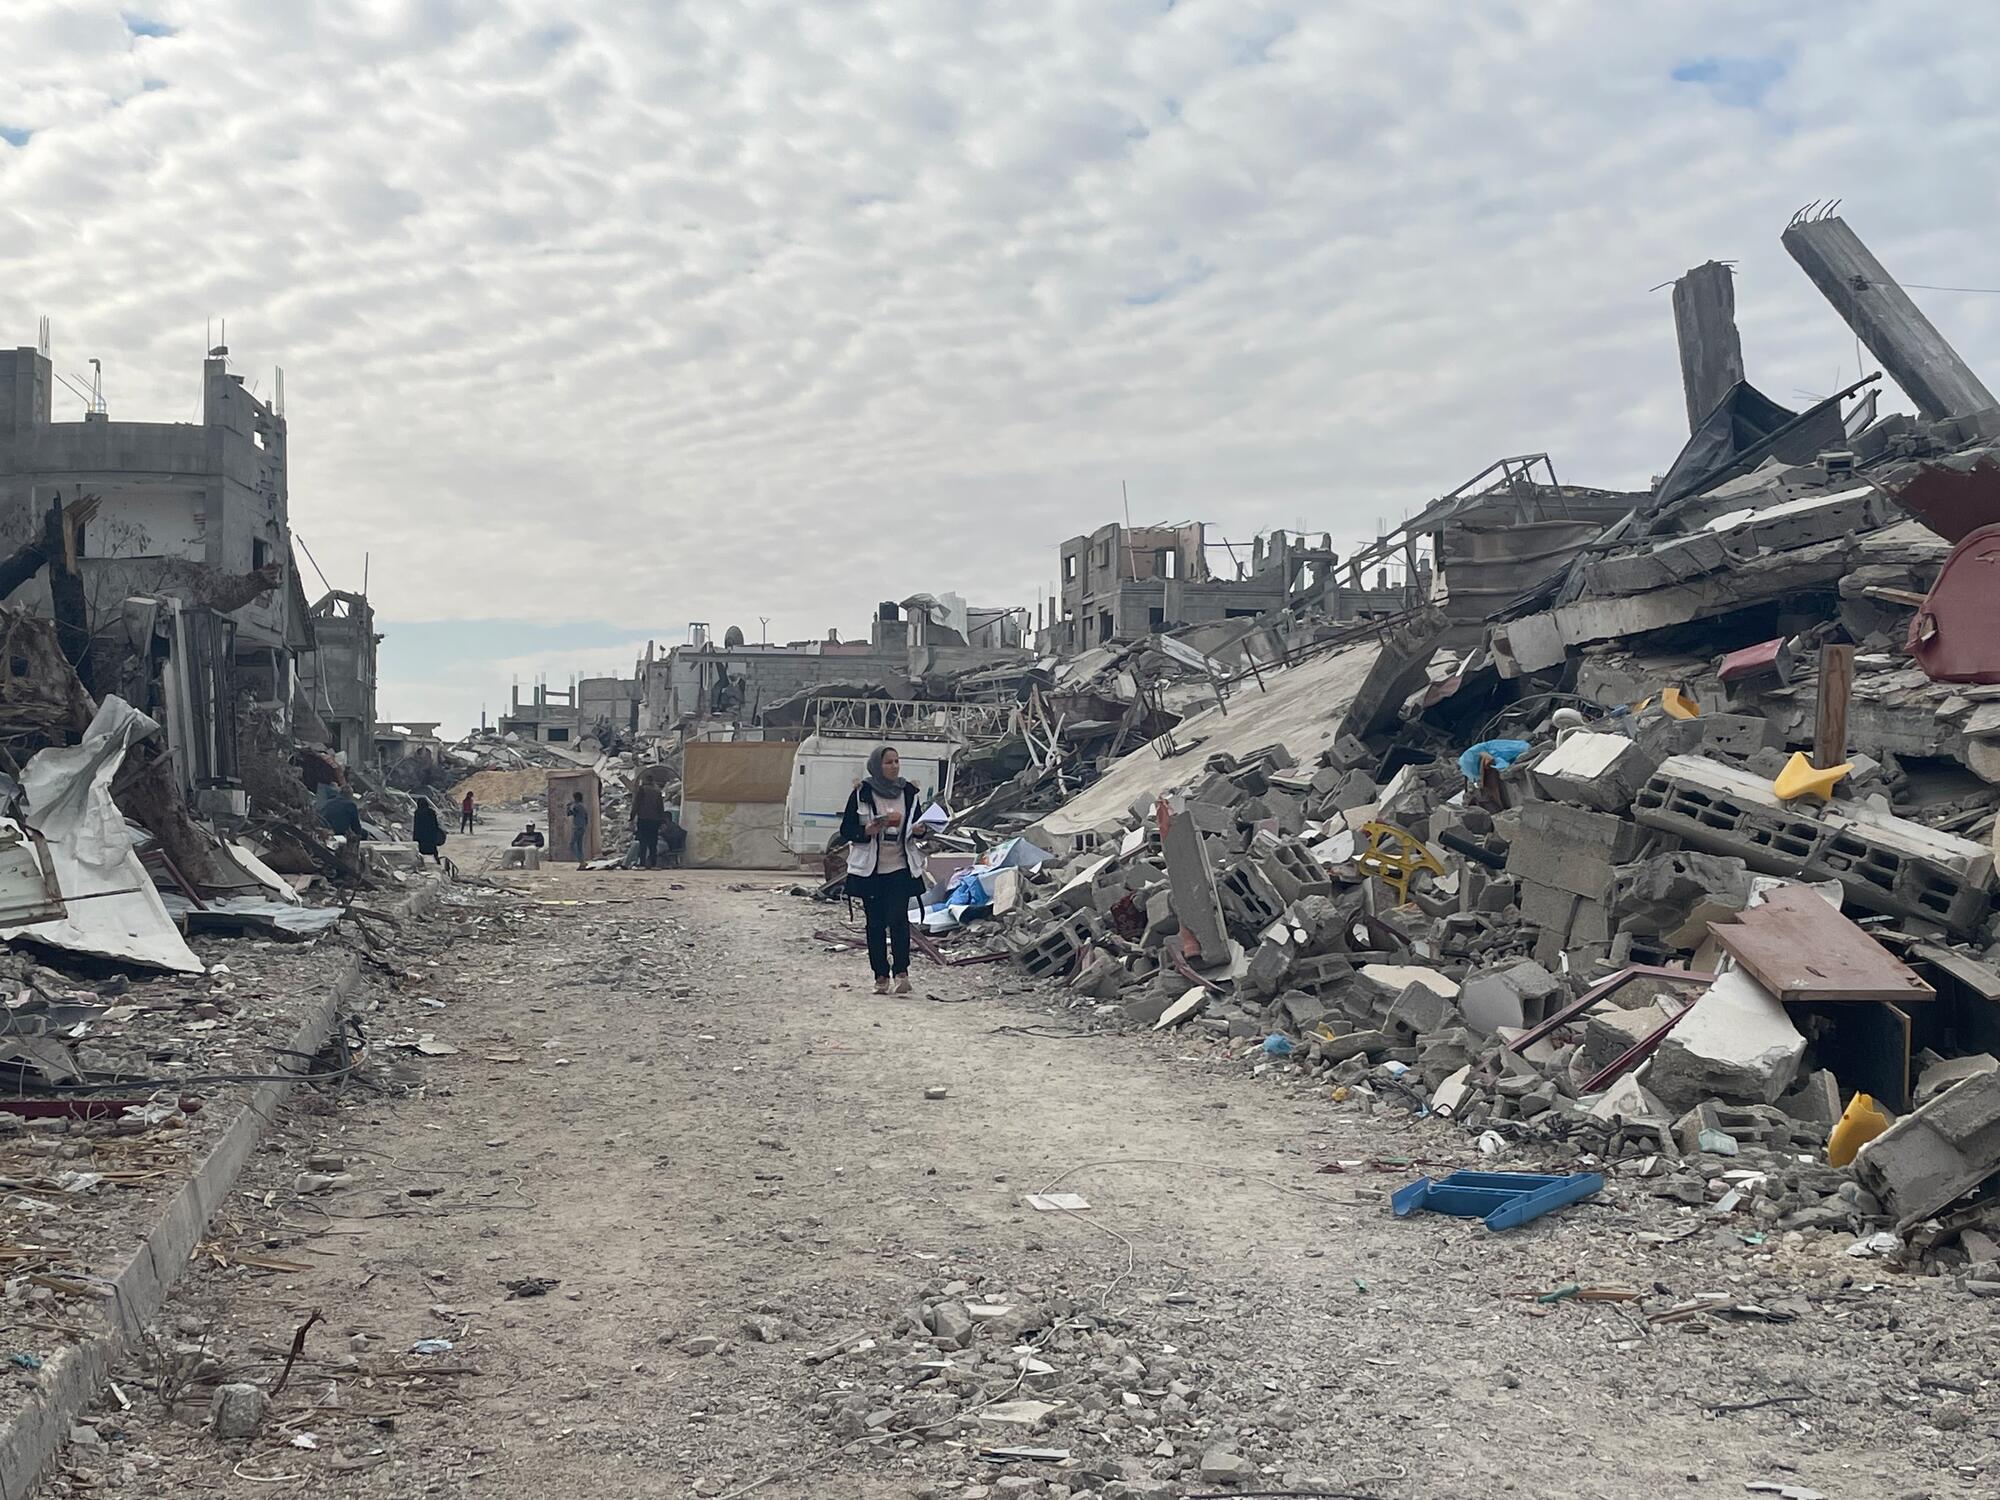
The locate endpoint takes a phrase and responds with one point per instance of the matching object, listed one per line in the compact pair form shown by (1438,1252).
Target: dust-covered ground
(760,1256)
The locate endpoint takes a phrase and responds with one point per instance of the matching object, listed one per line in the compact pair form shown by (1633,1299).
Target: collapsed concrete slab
(1947,1148)
(1737,1044)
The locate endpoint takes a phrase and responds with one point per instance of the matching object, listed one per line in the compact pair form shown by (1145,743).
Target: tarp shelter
(563,785)
(113,910)
(733,803)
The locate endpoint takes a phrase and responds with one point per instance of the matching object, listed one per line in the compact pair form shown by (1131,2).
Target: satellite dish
(733,636)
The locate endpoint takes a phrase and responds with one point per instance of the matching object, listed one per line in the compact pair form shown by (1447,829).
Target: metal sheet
(1799,948)
(1955,636)
(1954,497)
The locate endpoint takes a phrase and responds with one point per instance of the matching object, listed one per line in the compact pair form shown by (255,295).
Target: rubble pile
(1686,856)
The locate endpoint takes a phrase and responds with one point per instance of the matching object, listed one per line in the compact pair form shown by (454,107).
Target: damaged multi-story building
(337,676)
(174,583)
(1121,584)
(923,637)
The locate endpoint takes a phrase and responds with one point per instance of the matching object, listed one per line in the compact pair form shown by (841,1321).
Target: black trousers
(465,822)
(887,913)
(649,841)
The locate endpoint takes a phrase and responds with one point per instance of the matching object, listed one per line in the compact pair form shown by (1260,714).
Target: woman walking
(426,829)
(884,865)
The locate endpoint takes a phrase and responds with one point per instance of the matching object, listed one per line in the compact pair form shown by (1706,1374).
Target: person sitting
(529,838)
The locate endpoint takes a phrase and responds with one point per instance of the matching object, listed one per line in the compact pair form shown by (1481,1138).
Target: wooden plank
(1799,948)
(1836,685)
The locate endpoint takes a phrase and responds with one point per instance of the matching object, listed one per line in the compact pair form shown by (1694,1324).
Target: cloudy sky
(604,316)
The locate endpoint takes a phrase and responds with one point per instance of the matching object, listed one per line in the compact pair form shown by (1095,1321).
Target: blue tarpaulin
(1504,753)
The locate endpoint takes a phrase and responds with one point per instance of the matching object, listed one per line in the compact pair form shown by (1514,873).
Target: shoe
(902,986)
(881,986)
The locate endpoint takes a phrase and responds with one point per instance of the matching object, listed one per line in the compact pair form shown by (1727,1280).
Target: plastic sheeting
(1742,419)
(69,803)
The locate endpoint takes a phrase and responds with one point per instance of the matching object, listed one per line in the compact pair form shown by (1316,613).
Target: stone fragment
(1736,1044)
(235,1412)
(951,1325)
(1940,1076)
(1222,1466)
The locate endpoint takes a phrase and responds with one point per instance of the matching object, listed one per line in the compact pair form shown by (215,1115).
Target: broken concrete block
(1609,1032)
(1419,1011)
(1627,1099)
(1347,753)
(1815,1101)
(1886,863)
(1929,1157)
(1302,1012)
(1572,848)
(235,1412)
(1740,734)
(1724,1129)
(1450,1096)
(1355,1043)
(1196,900)
(1953,1070)
(1604,771)
(1980,1249)
(1270,963)
(1516,994)
(1248,897)
(1736,1044)
(1392,979)
(1655,896)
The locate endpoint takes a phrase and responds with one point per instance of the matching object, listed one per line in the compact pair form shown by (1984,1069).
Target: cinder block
(1514,995)
(1602,771)
(1928,1158)
(1885,863)
(1571,848)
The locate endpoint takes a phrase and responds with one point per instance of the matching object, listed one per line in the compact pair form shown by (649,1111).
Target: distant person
(649,810)
(339,811)
(529,838)
(579,827)
(465,809)
(429,833)
(884,865)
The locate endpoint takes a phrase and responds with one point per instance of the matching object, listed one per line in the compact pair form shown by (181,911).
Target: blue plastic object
(1505,1200)
(1503,752)
(1277,1044)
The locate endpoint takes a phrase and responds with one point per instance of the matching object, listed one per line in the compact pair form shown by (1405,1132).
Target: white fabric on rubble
(69,804)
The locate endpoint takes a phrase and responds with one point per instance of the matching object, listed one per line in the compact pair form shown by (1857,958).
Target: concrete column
(1885,319)
(1705,327)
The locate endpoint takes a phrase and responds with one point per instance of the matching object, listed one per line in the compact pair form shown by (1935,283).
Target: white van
(827,768)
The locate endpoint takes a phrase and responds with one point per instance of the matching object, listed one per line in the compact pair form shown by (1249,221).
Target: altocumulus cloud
(642,314)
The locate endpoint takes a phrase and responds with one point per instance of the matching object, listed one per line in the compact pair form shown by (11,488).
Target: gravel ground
(711,1159)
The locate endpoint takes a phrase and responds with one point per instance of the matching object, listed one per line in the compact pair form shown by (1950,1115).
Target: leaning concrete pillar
(1705,326)
(1885,319)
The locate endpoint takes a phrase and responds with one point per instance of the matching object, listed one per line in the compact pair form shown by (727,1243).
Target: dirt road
(719,1152)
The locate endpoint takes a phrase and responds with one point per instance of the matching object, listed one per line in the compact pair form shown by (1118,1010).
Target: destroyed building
(1121,584)
(547,715)
(910,641)
(1663,826)
(338,674)
(191,511)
